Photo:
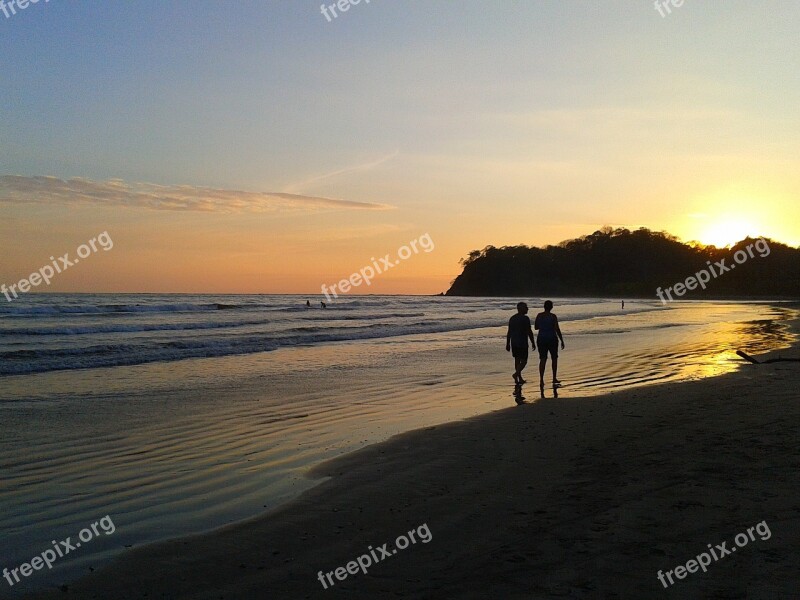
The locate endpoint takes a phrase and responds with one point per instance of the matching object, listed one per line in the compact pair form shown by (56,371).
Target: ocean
(179,414)
(45,333)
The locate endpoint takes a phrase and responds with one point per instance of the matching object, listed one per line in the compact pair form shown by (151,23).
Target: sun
(727,232)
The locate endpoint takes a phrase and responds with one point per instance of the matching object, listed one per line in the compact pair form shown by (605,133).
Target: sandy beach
(567,497)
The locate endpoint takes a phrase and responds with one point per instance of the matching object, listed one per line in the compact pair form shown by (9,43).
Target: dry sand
(573,498)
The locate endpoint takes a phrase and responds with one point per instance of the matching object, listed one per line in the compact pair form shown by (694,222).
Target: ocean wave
(27,361)
(108,328)
(65,332)
(122,328)
(70,309)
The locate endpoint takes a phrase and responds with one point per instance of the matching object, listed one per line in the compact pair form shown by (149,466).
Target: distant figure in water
(324,305)
(623,305)
(519,331)
(308,303)
(549,333)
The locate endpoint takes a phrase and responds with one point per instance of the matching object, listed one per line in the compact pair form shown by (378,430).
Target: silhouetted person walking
(549,333)
(519,332)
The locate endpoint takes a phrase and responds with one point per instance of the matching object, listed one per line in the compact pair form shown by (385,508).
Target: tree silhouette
(623,263)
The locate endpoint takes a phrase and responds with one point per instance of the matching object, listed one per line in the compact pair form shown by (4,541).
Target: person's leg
(522,362)
(517,369)
(554,356)
(542,365)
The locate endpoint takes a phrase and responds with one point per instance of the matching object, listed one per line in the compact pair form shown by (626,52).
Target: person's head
(522,308)
(548,305)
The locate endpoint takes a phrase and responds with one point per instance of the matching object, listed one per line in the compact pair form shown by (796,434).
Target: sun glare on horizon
(727,232)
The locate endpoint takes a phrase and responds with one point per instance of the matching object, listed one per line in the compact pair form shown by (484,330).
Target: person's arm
(536,323)
(508,338)
(558,331)
(530,335)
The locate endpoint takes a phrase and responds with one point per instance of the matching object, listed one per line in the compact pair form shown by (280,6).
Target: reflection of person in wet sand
(519,331)
(518,397)
(549,334)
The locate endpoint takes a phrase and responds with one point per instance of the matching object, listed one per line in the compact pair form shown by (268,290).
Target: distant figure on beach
(519,332)
(549,334)
(323,305)
(623,305)
(308,303)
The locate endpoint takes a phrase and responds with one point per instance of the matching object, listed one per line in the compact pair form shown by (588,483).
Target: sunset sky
(256,147)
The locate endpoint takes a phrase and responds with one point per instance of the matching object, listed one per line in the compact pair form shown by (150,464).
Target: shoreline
(514,502)
(220,448)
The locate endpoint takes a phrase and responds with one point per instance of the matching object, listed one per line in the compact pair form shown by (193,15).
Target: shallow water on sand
(182,446)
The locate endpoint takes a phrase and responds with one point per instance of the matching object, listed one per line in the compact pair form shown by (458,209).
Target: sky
(262,147)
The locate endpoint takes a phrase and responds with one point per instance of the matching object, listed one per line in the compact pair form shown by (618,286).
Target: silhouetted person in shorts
(519,332)
(549,334)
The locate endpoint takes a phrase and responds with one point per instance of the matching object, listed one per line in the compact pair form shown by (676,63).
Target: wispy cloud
(360,167)
(115,192)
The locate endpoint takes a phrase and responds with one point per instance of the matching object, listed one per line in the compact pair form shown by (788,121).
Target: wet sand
(188,447)
(568,497)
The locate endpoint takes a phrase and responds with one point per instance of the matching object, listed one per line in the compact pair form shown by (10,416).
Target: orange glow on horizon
(727,232)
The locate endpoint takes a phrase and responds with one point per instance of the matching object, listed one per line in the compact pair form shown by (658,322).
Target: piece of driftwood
(749,358)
